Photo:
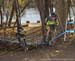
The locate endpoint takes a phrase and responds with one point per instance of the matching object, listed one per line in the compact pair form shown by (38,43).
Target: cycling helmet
(53,14)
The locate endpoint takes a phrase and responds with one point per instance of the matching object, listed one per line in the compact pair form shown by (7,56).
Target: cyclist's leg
(51,34)
(47,34)
(53,30)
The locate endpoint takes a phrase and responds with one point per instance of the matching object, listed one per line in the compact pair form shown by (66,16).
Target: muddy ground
(59,52)
(44,53)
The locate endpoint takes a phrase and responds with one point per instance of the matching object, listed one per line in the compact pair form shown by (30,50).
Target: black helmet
(53,14)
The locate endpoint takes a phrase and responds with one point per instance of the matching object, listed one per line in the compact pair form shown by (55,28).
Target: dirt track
(58,53)
(61,52)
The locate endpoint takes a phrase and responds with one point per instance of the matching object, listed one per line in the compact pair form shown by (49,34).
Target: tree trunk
(62,12)
(44,12)
(46,8)
(41,7)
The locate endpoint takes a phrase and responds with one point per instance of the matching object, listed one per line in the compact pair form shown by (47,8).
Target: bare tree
(1,11)
(62,9)
(43,6)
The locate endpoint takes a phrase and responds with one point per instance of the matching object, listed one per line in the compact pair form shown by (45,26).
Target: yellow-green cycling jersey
(49,23)
(52,23)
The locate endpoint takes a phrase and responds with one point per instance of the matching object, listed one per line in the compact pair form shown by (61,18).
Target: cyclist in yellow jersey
(51,22)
